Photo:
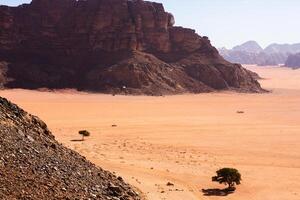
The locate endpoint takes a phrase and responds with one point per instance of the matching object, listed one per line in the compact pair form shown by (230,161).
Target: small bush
(84,133)
(228,176)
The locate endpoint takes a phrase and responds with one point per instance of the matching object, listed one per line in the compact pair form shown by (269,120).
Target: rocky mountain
(293,61)
(33,165)
(283,48)
(251,53)
(250,47)
(110,46)
(242,57)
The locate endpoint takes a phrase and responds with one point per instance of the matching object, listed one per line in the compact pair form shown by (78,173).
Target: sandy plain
(184,139)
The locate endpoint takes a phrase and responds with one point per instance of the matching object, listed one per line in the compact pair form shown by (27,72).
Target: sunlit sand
(185,139)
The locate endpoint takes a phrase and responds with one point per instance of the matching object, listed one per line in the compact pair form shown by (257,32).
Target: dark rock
(170,184)
(30,170)
(114,190)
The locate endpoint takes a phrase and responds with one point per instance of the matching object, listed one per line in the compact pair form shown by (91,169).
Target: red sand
(185,139)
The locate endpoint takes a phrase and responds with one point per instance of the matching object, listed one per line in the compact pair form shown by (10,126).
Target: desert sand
(184,139)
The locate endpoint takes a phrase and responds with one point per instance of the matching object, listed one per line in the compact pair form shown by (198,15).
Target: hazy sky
(232,22)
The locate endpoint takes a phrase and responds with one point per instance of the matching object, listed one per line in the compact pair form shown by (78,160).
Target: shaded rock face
(33,165)
(111,46)
(293,61)
(3,71)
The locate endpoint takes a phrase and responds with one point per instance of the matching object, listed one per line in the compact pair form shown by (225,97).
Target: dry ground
(185,139)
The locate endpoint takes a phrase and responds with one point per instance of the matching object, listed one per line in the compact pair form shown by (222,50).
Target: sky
(231,22)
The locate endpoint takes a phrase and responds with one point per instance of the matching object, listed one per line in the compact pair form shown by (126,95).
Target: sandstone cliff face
(33,165)
(114,46)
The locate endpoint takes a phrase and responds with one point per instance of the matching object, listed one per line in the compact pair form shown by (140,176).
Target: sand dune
(185,139)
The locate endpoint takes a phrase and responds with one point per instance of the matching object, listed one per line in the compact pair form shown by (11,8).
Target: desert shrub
(84,133)
(228,176)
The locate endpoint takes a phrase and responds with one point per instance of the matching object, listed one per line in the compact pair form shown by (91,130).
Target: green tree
(228,176)
(84,133)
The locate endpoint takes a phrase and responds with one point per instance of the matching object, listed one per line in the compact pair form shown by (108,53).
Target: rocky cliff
(33,165)
(293,61)
(111,46)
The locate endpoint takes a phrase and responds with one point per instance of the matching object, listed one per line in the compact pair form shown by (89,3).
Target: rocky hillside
(251,53)
(111,46)
(293,61)
(33,165)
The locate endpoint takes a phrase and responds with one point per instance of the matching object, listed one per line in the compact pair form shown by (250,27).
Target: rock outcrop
(110,46)
(293,61)
(33,165)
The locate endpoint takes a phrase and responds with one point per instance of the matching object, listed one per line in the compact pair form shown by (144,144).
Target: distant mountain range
(252,53)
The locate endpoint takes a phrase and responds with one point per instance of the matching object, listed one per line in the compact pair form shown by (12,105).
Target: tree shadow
(77,140)
(216,192)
